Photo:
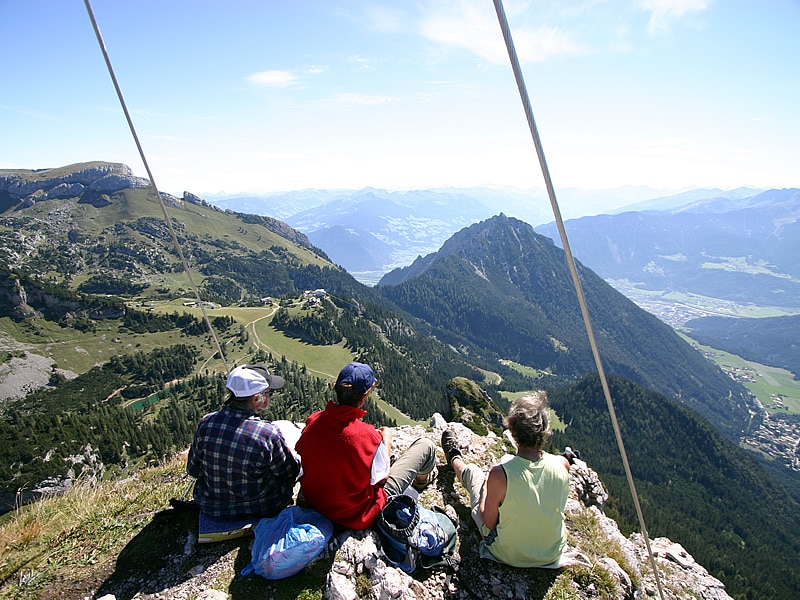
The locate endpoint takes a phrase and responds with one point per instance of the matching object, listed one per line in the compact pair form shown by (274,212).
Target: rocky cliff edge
(353,567)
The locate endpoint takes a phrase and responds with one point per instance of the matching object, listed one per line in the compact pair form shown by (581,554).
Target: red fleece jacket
(337,449)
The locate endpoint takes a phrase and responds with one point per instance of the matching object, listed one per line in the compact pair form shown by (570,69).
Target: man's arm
(192,468)
(386,435)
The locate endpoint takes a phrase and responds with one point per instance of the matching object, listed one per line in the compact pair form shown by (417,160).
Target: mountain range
(742,249)
(88,256)
(371,231)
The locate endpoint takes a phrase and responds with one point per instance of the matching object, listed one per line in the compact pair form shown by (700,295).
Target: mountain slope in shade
(375,230)
(499,285)
(359,250)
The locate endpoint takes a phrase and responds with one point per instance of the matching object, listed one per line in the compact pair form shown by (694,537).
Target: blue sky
(275,95)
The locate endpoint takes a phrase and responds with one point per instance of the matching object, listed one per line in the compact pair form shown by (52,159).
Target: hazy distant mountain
(743,249)
(376,230)
(673,201)
(371,231)
(279,205)
(499,285)
(359,250)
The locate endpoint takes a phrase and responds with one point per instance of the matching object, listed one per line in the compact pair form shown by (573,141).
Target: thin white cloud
(664,12)
(384,19)
(34,114)
(363,99)
(279,79)
(361,63)
(475,28)
(544,43)
(144,112)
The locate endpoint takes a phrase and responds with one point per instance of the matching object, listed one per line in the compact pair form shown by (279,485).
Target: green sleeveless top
(531,530)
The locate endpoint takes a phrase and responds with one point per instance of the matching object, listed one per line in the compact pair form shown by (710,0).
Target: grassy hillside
(766,382)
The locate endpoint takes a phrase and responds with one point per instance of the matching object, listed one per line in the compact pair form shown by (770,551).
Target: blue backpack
(412,535)
(285,544)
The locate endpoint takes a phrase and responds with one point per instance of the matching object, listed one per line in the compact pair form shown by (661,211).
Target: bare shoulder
(497,474)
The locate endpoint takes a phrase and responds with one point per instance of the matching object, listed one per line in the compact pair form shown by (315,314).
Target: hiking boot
(450,446)
(423,480)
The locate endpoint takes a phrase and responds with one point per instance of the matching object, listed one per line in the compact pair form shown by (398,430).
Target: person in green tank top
(519,506)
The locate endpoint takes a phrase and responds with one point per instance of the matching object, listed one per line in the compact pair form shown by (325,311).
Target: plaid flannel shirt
(242,464)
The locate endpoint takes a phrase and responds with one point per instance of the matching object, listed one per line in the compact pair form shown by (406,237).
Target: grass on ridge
(77,536)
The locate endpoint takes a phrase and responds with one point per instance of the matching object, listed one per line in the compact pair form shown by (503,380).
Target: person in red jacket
(347,472)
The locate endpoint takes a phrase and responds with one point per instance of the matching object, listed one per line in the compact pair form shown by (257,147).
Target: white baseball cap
(249,380)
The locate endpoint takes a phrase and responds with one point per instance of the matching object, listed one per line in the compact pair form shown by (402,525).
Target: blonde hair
(528,420)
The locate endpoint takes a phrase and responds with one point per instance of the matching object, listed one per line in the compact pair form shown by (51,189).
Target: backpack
(285,544)
(412,535)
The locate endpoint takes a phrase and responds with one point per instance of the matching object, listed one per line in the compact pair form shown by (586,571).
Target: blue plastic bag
(285,544)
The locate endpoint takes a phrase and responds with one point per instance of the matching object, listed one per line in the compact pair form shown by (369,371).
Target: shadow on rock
(163,554)
(307,582)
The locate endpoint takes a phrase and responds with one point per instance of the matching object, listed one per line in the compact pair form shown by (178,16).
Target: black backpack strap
(446,560)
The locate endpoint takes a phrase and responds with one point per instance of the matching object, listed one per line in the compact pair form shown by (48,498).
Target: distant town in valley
(778,436)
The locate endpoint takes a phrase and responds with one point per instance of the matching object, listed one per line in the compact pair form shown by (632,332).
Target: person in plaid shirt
(243,466)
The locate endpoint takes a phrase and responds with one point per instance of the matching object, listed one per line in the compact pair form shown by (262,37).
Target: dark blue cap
(358,375)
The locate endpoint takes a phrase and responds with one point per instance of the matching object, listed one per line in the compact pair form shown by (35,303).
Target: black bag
(412,535)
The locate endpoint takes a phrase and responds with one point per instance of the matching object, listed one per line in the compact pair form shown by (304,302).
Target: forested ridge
(502,287)
(695,486)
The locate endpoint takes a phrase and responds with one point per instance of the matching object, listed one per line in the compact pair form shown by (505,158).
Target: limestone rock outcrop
(358,564)
(28,187)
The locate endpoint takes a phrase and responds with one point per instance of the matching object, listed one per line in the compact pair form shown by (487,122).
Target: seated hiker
(347,472)
(519,506)
(243,466)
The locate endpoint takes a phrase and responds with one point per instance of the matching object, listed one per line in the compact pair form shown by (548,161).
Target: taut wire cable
(523,92)
(152,181)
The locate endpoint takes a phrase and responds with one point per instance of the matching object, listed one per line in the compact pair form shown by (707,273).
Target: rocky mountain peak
(26,187)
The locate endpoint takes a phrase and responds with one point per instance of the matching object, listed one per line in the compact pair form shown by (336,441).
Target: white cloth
(381,463)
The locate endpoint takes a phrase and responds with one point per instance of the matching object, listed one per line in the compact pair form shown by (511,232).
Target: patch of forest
(695,486)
